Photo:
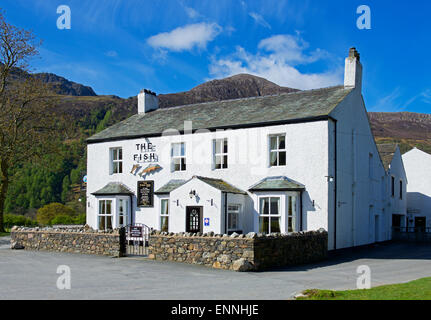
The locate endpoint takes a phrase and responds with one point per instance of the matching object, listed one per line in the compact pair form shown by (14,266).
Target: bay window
(291,214)
(122,212)
(105,215)
(164,215)
(269,215)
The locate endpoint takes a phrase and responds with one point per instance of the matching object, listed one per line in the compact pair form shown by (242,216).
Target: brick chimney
(353,70)
(147,101)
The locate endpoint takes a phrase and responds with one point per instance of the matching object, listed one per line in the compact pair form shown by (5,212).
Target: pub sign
(145,194)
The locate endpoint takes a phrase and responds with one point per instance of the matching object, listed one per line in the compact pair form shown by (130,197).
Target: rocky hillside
(238,86)
(406,128)
(65,87)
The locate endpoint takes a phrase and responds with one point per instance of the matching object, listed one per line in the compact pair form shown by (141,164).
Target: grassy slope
(415,290)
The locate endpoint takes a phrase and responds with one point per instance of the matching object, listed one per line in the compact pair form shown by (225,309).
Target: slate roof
(170,186)
(387,151)
(257,111)
(216,183)
(113,188)
(221,185)
(277,184)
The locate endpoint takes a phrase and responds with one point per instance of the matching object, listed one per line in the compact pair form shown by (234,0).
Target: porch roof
(277,184)
(216,183)
(170,186)
(221,185)
(113,188)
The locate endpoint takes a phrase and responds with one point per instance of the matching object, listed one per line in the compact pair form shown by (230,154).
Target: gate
(136,239)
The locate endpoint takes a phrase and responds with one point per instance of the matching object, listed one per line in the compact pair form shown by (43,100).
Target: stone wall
(72,240)
(251,252)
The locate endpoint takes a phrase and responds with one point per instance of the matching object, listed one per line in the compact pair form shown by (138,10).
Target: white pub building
(275,164)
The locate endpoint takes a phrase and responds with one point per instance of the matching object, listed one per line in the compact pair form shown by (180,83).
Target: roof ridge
(247,98)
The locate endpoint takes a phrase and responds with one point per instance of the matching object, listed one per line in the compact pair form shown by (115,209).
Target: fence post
(123,248)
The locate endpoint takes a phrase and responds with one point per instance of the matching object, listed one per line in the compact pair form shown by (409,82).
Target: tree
(29,120)
(47,214)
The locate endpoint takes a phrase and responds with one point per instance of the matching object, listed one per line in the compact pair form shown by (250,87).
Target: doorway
(420,224)
(194,219)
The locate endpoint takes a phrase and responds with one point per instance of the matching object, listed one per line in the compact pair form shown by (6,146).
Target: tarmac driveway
(32,275)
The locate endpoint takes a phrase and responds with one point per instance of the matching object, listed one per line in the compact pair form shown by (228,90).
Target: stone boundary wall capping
(251,252)
(72,240)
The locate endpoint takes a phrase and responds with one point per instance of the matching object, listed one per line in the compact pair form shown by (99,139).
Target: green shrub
(48,213)
(63,220)
(11,220)
(81,219)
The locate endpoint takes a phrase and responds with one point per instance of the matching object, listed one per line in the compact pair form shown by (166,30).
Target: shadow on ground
(382,251)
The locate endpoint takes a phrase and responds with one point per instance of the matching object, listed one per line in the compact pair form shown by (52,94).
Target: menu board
(146,194)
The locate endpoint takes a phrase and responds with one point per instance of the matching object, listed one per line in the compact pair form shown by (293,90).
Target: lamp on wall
(192,194)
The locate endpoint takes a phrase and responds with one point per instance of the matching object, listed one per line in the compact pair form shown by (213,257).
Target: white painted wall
(307,163)
(359,197)
(418,170)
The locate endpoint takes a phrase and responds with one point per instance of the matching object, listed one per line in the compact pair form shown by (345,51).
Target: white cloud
(186,38)
(260,20)
(277,60)
(192,13)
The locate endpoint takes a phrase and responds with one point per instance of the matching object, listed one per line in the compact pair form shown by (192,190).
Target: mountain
(238,86)
(63,86)
(405,128)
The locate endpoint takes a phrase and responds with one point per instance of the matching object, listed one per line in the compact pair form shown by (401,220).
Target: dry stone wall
(73,240)
(251,252)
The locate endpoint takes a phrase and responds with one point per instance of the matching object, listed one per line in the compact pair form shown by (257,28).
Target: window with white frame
(122,212)
(105,215)
(164,215)
(178,154)
(233,212)
(116,160)
(277,152)
(220,152)
(269,215)
(291,214)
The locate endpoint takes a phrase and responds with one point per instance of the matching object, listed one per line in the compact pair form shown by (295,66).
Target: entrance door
(194,219)
(420,224)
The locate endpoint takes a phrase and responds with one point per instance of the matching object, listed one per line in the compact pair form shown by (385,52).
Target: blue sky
(119,47)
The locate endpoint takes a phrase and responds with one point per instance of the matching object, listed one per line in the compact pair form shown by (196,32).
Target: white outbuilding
(418,169)
(275,164)
(395,186)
